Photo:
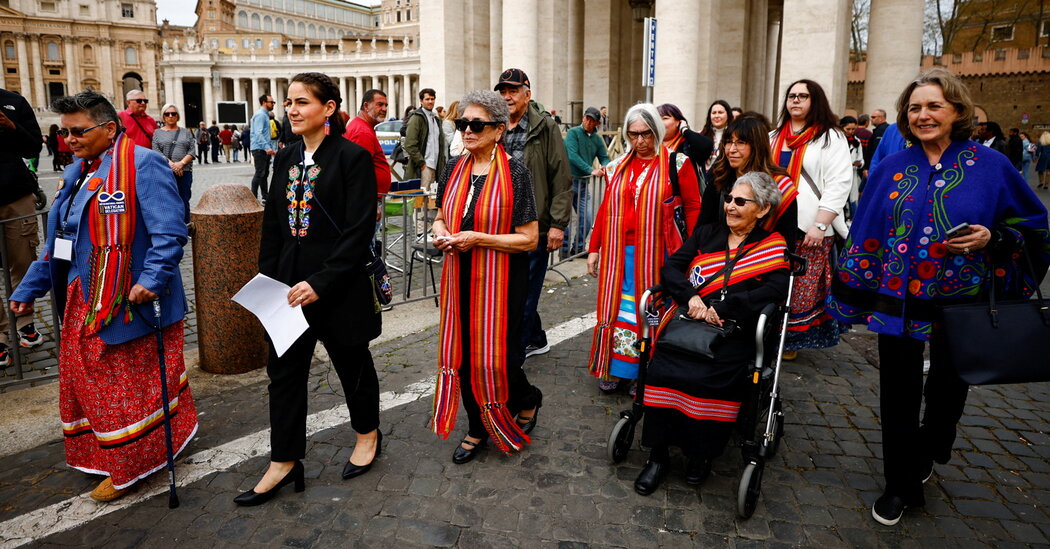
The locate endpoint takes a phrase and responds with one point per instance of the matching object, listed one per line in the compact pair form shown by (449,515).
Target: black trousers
(288,391)
(908,444)
(262,172)
(202,152)
(521,395)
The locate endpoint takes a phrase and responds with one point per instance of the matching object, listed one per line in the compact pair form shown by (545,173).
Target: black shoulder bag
(697,338)
(999,341)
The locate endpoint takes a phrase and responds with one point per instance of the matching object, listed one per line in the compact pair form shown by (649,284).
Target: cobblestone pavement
(561,491)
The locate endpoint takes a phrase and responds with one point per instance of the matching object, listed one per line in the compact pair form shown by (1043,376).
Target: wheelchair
(761,411)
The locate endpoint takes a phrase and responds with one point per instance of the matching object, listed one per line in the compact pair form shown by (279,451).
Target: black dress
(522,395)
(328,250)
(723,378)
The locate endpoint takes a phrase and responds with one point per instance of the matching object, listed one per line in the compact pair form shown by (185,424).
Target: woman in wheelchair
(723,275)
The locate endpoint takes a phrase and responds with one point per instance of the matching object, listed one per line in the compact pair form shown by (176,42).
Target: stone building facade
(53,48)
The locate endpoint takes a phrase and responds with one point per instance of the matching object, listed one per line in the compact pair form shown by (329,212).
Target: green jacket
(582,149)
(415,144)
(549,167)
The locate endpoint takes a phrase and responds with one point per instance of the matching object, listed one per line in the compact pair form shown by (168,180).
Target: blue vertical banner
(649,72)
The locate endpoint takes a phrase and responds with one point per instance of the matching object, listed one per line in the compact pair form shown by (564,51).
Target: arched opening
(131,81)
(256,22)
(279,25)
(242,19)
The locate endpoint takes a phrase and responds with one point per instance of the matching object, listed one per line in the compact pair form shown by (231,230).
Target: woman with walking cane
(114,241)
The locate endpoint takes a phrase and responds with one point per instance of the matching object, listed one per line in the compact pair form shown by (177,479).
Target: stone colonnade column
(71,80)
(177,98)
(818,29)
(359,91)
(894,52)
(23,67)
(407,99)
(772,97)
(238,90)
(521,23)
(209,110)
(256,92)
(107,71)
(574,59)
(39,97)
(677,75)
(495,39)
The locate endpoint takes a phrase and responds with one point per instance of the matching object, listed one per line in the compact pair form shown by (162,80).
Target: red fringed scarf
(111,215)
(788,193)
(758,258)
(797,144)
(653,187)
(489,278)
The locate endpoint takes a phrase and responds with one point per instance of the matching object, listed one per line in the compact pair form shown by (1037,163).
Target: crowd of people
(709,215)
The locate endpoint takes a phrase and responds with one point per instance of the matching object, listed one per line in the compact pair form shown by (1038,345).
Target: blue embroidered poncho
(895,267)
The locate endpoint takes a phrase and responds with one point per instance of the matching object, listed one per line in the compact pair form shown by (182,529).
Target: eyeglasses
(798,96)
(77,132)
(737,144)
(141,101)
(639,135)
(475,125)
(171,114)
(738,200)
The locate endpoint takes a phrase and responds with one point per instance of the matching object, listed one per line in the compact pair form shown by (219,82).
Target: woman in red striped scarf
(810,145)
(634,232)
(690,404)
(486,222)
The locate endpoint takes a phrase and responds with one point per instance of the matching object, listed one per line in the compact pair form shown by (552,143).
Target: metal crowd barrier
(54,329)
(578,233)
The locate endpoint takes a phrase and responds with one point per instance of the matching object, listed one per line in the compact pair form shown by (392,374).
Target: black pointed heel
(252,498)
(350,470)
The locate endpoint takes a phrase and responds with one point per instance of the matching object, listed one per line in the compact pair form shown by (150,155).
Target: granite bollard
(227,226)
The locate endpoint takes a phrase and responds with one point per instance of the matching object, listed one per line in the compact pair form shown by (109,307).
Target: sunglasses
(141,101)
(77,132)
(738,200)
(475,125)
(799,96)
(171,114)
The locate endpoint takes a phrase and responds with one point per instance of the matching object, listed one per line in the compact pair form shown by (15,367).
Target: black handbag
(694,337)
(382,289)
(999,341)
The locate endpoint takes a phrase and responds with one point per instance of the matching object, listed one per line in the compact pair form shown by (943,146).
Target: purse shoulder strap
(812,185)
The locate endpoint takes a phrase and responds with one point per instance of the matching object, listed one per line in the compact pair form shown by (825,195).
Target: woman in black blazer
(317,229)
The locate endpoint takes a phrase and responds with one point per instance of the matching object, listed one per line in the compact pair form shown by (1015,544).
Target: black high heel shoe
(252,498)
(530,423)
(350,470)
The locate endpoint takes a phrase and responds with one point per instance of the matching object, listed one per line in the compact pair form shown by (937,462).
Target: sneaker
(28,336)
(888,509)
(531,350)
(5,356)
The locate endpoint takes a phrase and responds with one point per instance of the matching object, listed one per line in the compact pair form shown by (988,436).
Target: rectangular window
(231,43)
(12,71)
(47,6)
(85,10)
(1002,33)
(127,10)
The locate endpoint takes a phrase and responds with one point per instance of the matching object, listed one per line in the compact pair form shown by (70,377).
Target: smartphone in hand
(962,229)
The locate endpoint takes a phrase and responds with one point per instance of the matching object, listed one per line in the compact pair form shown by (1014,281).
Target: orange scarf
(489,278)
(788,193)
(652,189)
(797,144)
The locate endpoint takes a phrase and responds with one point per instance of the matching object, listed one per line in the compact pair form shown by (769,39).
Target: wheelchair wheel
(620,439)
(750,487)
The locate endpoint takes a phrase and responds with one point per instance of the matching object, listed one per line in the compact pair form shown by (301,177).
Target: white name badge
(64,249)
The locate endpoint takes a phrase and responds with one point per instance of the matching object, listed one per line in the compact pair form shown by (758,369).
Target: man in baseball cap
(533,138)
(583,146)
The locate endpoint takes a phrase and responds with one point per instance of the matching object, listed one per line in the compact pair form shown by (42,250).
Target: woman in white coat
(810,145)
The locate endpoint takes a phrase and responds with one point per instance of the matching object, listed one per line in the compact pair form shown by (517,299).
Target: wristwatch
(820,225)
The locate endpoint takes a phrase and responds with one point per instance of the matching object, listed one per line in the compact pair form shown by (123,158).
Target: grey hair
(133,93)
(166,106)
(647,113)
(763,188)
(491,101)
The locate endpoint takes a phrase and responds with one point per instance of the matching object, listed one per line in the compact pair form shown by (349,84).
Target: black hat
(593,114)
(513,77)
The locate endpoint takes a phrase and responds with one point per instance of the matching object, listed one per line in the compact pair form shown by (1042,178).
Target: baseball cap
(512,77)
(593,113)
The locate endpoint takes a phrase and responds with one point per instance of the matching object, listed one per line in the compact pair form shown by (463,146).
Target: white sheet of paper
(267,299)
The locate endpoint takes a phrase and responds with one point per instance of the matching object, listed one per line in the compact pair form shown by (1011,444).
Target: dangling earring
(327,126)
